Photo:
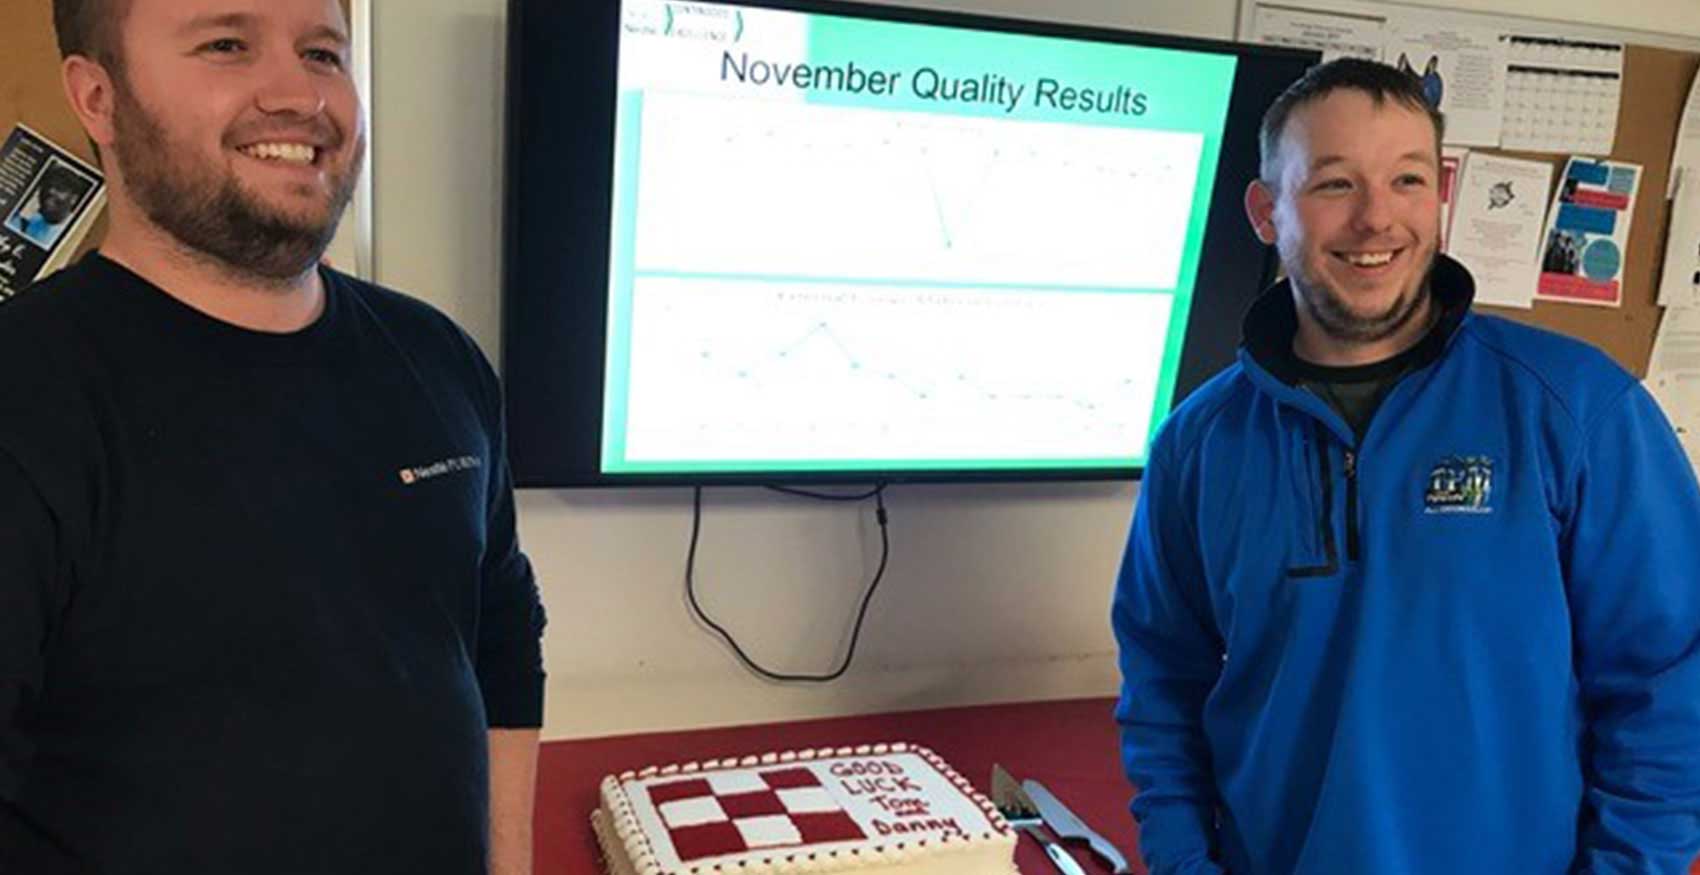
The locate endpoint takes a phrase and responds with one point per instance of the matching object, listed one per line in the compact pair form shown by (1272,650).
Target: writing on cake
(888,788)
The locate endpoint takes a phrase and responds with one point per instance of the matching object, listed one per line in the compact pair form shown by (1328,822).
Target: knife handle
(1102,847)
(1065,863)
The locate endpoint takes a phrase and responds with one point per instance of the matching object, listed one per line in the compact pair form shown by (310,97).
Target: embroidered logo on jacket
(410,476)
(1460,484)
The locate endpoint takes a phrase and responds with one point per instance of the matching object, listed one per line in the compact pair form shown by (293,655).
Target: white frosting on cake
(874,810)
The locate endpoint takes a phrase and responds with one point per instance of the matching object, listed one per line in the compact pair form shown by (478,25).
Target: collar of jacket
(1266,345)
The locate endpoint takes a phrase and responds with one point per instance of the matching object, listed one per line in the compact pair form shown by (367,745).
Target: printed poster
(1462,71)
(1587,234)
(1496,226)
(48,198)
(1334,34)
(1679,284)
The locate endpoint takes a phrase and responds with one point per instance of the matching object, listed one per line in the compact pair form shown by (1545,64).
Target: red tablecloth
(1069,746)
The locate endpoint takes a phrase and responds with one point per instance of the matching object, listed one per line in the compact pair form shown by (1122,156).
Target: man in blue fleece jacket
(1409,591)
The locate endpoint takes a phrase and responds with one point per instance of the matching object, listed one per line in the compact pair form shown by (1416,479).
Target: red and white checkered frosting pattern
(725,816)
(729,812)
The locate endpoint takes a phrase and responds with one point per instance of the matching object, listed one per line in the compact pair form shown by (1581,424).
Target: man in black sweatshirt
(262,604)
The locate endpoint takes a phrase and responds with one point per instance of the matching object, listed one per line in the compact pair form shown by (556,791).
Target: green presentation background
(1185,92)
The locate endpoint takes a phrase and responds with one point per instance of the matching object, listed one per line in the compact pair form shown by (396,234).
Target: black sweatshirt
(260,595)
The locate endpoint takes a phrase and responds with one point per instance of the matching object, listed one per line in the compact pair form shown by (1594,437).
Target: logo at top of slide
(694,21)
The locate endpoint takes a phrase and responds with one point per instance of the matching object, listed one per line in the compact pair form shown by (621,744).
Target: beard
(1334,314)
(210,212)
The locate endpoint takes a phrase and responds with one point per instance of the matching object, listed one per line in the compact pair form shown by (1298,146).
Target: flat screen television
(790,241)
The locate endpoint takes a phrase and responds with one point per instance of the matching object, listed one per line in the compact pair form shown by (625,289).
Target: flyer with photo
(1462,72)
(1587,232)
(49,198)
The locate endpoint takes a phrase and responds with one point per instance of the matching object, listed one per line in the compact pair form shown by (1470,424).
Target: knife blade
(1066,824)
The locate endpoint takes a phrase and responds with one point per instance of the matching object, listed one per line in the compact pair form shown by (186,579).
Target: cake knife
(1066,825)
(1022,814)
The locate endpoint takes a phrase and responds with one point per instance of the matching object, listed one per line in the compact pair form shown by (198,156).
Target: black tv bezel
(561,84)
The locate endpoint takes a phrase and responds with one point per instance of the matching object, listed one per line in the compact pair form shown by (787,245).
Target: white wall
(994,592)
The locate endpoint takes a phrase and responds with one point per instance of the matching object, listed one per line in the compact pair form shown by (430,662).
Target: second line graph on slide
(731,369)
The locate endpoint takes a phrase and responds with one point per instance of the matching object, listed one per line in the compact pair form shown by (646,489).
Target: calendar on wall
(1561,95)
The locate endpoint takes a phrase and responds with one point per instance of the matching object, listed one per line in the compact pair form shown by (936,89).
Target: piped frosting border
(618,808)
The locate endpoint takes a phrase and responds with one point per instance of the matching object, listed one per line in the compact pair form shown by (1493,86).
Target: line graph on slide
(764,370)
(788,188)
(730,369)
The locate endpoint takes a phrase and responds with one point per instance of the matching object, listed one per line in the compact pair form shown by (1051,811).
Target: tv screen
(783,242)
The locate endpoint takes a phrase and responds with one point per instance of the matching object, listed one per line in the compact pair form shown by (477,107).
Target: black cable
(878,495)
(830,496)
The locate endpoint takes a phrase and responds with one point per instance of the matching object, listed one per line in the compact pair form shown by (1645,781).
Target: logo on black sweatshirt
(1460,484)
(410,476)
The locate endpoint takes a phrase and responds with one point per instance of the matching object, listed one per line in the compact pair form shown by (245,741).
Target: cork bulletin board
(1655,86)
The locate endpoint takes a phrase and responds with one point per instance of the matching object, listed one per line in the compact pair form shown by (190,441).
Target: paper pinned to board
(1587,234)
(1452,160)
(49,198)
(1462,71)
(1496,226)
(1673,375)
(1561,95)
(1334,34)
(1679,285)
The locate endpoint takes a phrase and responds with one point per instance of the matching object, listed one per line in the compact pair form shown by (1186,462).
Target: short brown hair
(1381,82)
(91,28)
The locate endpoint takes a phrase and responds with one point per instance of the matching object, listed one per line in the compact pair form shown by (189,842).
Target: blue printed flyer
(1582,258)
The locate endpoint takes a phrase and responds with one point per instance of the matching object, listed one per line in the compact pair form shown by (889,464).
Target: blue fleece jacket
(1468,644)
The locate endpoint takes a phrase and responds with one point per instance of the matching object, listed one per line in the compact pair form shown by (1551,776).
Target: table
(1071,746)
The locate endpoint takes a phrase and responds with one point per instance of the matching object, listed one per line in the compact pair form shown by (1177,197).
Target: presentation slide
(846,244)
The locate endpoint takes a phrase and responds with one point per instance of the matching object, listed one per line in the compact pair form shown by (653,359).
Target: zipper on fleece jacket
(1326,473)
(1351,463)
(1353,538)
